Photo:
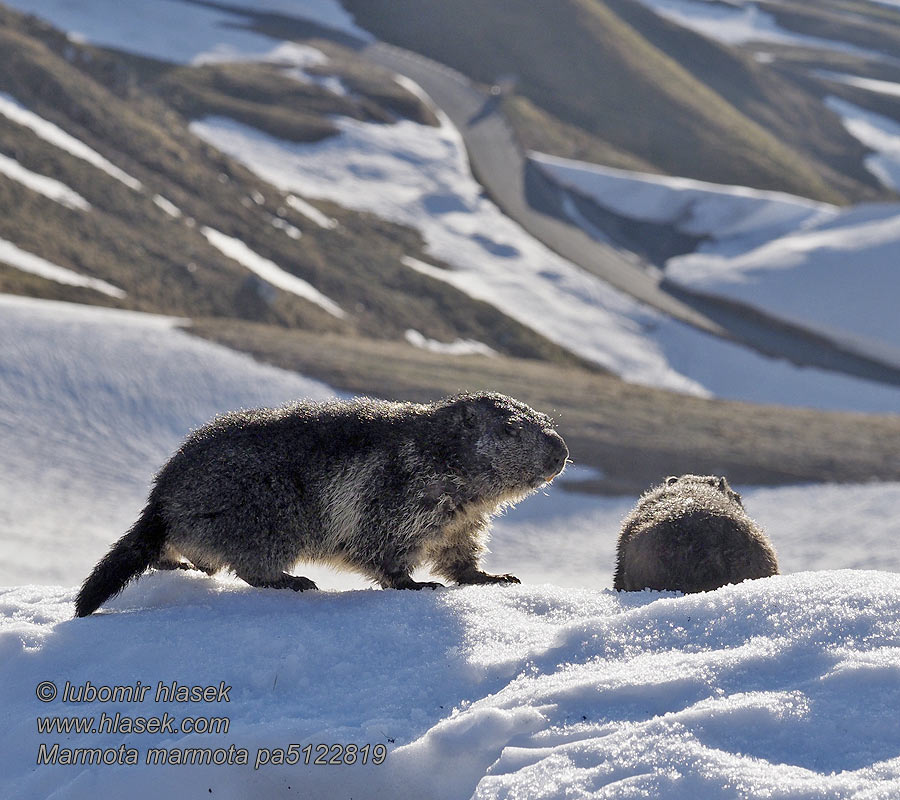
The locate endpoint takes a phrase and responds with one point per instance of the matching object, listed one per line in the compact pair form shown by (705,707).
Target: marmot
(374,486)
(691,534)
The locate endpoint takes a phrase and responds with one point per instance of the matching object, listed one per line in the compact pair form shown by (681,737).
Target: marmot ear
(670,480)
(723,485)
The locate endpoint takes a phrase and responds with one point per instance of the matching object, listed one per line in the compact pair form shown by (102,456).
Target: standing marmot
(691,534)
(368,485)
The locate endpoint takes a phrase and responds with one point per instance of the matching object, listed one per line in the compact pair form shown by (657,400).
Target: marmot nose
(556,460)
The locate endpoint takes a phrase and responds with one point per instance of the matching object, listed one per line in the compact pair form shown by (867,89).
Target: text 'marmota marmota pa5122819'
(368,485)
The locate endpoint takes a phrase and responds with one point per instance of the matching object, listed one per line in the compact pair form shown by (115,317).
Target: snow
(734,216)
(889,88)
(458,347)
(418,175)
(311,212)
(839,277)
(28,262)
(13,110)
(183,32)
(167,205)
(744,23)
(877,132)
(783,688)
(49,187)
(817,266)
(92,402)
(269,271)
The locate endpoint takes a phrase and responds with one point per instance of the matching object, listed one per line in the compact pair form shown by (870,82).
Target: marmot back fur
(373,486)
(691,534)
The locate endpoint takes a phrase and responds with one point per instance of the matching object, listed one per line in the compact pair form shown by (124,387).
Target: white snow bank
(92,402)
(173,30)
(840,277)
(269,271)
(781,688)
(735,217)
(49,187)
(13,110)
(458,347)
(311,212)
(418,175)
(880,133)
(28,262)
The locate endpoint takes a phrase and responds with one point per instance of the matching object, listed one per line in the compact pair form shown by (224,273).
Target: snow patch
(28,262)
(167,205)
(459,347)
(735,217)
(13,110)
(173,30)
(269,271)
(49,187)
(877,132)
(311,212)
(744,22)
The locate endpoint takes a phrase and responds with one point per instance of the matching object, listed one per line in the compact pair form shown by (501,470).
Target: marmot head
(682,485)
(506,449)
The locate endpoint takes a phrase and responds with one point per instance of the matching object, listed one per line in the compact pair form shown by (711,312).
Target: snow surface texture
(786,687)
(13,110)
(269,271)
(832,270)
(183,32)
(92,402)
(419,176)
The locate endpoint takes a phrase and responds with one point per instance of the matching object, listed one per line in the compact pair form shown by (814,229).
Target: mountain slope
(600,73)
(149,241)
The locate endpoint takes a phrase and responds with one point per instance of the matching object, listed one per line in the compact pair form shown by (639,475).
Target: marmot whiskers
(373,486)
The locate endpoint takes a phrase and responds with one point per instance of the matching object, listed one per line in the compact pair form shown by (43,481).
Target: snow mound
(782,688)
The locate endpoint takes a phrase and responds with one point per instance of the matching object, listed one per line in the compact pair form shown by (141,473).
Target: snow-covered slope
(780,688)
(419,176)
(833,270)
(92,402)
(184,32)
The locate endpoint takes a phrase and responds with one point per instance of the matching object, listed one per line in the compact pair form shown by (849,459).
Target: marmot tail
(127,559)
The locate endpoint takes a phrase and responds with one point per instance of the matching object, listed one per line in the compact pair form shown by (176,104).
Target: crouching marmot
(373,486)
(691,534)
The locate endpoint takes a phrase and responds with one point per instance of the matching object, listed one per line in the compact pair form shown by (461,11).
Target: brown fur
(691,534)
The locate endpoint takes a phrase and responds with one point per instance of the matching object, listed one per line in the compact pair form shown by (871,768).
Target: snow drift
(783,687)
